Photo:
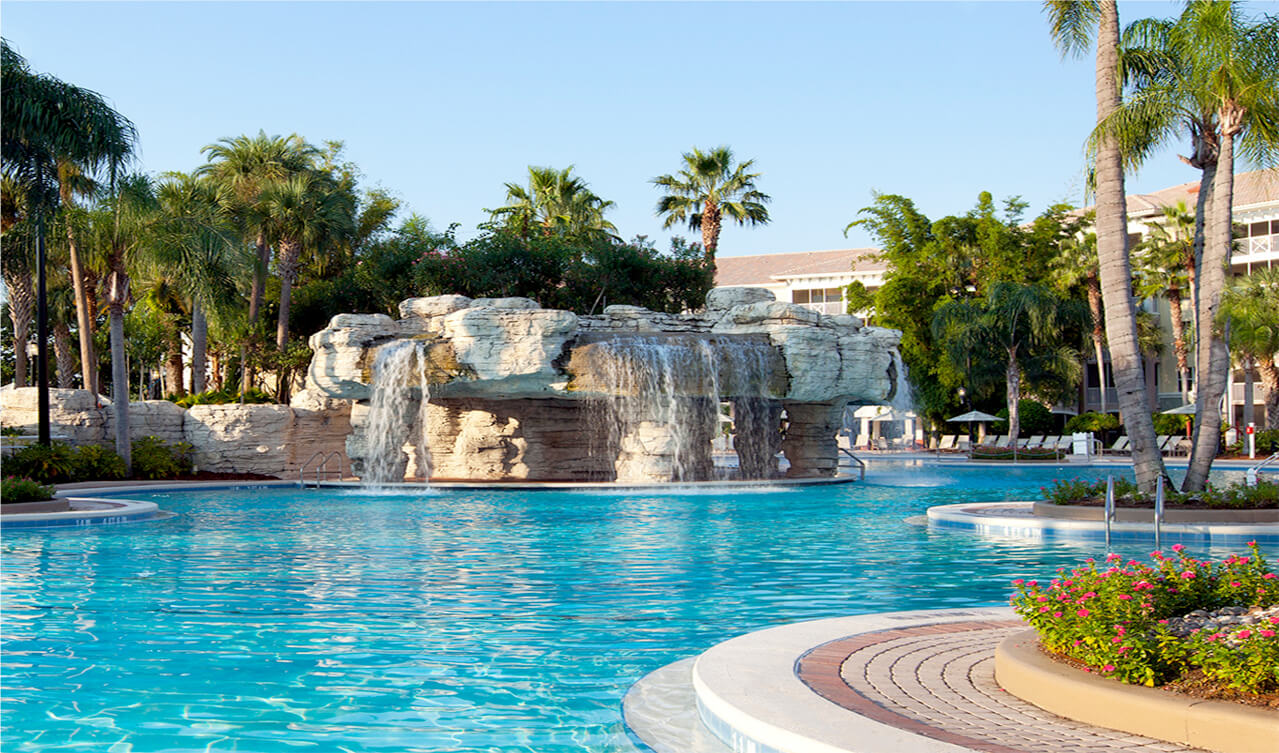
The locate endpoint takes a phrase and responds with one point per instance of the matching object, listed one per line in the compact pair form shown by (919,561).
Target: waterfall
(399,401)
(662,409)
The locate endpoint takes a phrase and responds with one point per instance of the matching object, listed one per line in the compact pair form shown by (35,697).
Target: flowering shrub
(1114,618)
(1264,495)
(16,489)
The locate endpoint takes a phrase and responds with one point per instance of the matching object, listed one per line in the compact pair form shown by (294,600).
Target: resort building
(817,279)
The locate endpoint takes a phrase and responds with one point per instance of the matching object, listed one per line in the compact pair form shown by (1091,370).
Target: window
(799,296)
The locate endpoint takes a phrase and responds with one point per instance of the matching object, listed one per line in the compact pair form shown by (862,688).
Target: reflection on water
(275,620)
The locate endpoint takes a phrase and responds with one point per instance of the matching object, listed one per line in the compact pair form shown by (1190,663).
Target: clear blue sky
(442,103)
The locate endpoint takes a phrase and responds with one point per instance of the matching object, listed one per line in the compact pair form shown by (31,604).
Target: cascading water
(664,399)
(399,402)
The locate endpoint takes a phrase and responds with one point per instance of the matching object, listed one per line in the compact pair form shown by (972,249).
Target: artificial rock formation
(517,392)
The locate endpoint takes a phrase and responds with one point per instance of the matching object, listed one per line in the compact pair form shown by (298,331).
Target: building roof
(762,268)
(1255,187)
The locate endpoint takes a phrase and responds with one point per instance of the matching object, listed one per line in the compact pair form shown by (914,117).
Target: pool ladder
(861,464)
(1254,473)
(1110,514)
(322,468)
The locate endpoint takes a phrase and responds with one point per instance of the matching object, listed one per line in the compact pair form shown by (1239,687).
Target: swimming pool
(272,620)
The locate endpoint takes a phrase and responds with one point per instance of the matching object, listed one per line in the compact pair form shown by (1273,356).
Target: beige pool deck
(903,682)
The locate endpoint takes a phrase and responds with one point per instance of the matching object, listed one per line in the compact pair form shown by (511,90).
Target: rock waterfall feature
(504,390)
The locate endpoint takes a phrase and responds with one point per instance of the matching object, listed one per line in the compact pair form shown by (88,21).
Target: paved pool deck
(904,682)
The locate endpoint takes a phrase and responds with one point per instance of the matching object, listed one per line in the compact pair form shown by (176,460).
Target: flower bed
(1007,453)
(1263,496)
(14,490)
(1166,622)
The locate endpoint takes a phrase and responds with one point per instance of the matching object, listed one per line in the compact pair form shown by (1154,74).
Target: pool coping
(1024,670)
(989,518)
(85,511)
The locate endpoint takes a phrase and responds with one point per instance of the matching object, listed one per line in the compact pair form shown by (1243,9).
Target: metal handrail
(321,468)
(1159,510)
(1251,475)
(1110,507)
(861,464)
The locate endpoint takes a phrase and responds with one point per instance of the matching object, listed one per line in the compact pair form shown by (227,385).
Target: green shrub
(153,459)
(11,431)
(1092,421)
(97,463)
(1114,619)
(1263,496)
(222,397)
(1035,419)
(1006,453)
(1166,424)
(14,489)
(54,463)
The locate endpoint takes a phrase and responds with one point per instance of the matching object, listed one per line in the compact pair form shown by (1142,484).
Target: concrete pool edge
(1017,520)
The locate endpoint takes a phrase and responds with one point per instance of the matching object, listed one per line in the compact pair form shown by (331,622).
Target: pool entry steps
(504,390)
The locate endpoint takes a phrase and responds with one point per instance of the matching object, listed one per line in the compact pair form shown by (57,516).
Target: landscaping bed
(1208,629)
(1090,493)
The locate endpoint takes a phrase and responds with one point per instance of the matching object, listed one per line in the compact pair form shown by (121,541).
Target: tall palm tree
(555,201)
(17,263)
(1161,269)
(1251,309)
(1215,75)
(709,188)
(1018,326)
(1073,25)
(243,168)
(45,121)
(73,182)
(1076,265)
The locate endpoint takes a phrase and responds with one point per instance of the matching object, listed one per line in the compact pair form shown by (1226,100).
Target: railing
(1159,510)
(1252,474)
(1110,507)
(322,468)
(861,464)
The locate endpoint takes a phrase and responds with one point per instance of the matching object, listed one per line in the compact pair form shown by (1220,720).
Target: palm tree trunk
(22,303)
(1269,374)
(1012,380)
(199,347)
(65,358)
(1114,268)
(173,366)
(1212,358)
(1179,338)
(116,296)
(84,320)
(290,251)
(255,303)
(710,230)
(1098,333)
(215,368)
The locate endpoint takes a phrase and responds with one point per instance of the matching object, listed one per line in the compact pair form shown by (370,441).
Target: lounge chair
(1051,442)
(947,443)
(881,444)
(963,444)
(987,441)
(1181,446)
(1002,441)
(1120,447)
(1163,442)
(1034,442)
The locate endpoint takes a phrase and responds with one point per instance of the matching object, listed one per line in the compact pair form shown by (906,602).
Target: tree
(555,201)
(1162,271)
(1073,25)
(16,263)
(1019,327)
(708,188)
(1215,75)
(1076,267)
(242,168)
(46,122)
(1250,308)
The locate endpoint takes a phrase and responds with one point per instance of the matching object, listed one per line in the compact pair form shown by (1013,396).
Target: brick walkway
(938,681)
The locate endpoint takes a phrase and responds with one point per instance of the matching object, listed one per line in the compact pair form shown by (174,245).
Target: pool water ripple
(275,620)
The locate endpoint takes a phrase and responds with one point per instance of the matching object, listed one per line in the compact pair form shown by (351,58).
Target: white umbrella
(1182,410)
(974,415)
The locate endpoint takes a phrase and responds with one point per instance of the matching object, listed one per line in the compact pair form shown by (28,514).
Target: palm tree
(1251,309)
(73,182)
(1215,75)
(1073,25)
(556,201)
(1018,326)
(1161,260)
(16,263)
(242,168)
(45,121)
(708,188)
(1076,265)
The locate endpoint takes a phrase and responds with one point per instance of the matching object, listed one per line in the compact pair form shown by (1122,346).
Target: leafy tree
(858,297)
(709,187)
(1162,271)
(1020,328)
(1074,24)
(1251,310)
(1076,267)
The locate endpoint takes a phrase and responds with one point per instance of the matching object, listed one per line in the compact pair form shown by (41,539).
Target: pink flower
(1108,668)
(1018,582)
(1163,622)
(1244,634)
(1268,576)
(1274,620)
(1120,629)
(1116,639)
(1235,584)
(1043,609)
(1112,557)
(1124,649)
(1178,547)
(1033,583)
(1124,597)
(1188,575)
(1267,633)
(1056,614)
(1077,643)
(1157,554)
(1083,613)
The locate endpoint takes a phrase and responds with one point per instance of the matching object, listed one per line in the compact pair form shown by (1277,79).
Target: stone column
(809,444)
(757,436)
(655,449)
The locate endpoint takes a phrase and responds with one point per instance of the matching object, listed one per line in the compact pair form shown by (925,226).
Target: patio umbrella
(1186,410)
(978,417)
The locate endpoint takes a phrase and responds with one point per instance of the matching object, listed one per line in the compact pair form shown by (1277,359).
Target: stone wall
(273,440)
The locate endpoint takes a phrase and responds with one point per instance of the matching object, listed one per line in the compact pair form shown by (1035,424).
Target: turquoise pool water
(273,620)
